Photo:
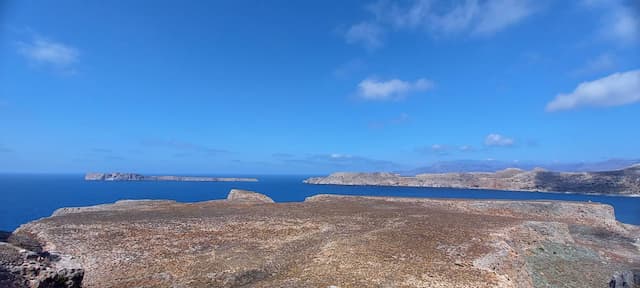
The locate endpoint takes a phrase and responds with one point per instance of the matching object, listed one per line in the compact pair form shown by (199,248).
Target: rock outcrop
(619,182)
(20,267)
(116,176)
(625,279)
(237,195)
(343,241)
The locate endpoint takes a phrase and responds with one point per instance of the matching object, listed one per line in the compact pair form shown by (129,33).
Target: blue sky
(314,86)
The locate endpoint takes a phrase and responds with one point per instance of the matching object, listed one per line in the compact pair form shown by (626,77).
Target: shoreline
(478,188)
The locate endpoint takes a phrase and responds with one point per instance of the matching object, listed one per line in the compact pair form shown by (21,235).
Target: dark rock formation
(625,279)
(20,267)
(619,182)
(343,241)
(138,177)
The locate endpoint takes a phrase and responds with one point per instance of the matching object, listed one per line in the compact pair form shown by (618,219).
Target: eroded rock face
(625,279)
(23,268)
(238,195)
(343,241)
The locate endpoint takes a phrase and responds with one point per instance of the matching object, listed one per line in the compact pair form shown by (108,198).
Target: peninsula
(325,241)
(116,176)
(625,182)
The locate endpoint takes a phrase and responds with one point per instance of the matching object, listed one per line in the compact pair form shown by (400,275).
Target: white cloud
(623,24)
(496,15)
(365,33)
(498,140)
(438,147)
(445,17)
(339,156)
(601,63)
(42,51)
(394,89)
(466,148)
(619,22)
(614,90)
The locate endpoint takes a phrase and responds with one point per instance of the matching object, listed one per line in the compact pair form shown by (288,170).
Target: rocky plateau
(247,240)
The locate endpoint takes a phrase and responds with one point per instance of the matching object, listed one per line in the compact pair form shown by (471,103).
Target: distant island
(116,176)
(624,182)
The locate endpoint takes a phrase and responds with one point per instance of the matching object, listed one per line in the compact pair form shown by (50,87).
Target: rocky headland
(117,176)
(336,241)
(617,182)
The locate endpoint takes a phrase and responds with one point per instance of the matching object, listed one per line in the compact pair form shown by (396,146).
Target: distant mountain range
(495,165)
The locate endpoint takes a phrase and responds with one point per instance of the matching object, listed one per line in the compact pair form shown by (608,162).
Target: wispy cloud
(400,119)
(4,149)
(467,148)
(282,155)
(56,55)
(366,33)
(614,90)
(440,149)
(349,68)
(602,62)
(446,150)
(439,17)
(394,89)
(498,140)
(183,148)
(620,20)
(344,162)
(101,150)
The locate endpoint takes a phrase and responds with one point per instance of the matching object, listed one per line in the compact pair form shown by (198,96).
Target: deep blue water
(29,197)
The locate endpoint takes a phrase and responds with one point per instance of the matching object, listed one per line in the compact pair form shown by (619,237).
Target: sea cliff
(617,182)
(116,176)
(341,241)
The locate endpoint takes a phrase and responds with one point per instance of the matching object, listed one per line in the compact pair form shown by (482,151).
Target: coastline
(623,182)
(491,241)
(633,195)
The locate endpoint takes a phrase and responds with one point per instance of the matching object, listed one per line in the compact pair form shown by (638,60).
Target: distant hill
(495,165)
(614,182)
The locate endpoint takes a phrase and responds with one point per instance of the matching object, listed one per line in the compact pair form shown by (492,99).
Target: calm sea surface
(28,197)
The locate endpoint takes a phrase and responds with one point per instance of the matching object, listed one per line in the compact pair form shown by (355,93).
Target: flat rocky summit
(343,241)
(117,176)
(618,182)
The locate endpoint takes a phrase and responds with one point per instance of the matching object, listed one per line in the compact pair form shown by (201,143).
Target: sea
(25,198)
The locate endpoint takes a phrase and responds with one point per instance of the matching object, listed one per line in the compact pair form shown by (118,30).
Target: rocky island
(248,240)
(618,182)
(116,176)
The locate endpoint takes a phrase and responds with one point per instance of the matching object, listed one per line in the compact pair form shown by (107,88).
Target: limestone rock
(23,268)
(625,279)
(238,195)
(343,241)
